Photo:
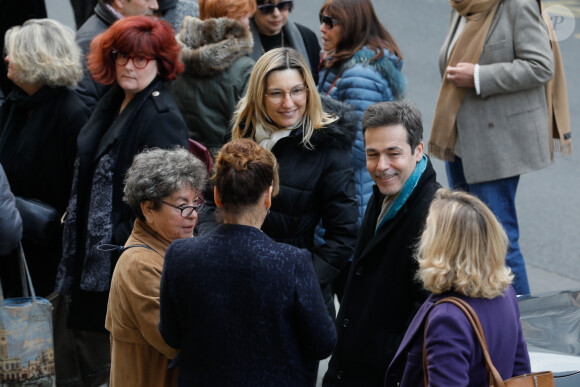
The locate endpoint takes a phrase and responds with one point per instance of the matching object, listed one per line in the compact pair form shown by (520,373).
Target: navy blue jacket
(243,310)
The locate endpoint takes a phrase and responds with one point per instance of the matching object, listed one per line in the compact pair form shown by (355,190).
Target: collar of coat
(105,14)
(211,46)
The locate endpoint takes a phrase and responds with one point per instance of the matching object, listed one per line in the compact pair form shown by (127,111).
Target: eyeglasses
(139,61)
(268,9)
(298,94)
(329,21)
(186,211)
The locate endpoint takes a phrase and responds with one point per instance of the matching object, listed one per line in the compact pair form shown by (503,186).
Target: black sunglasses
(329,21)
(268,9)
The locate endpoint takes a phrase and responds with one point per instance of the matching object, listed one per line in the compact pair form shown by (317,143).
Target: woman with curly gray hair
(39,124)
(162,188)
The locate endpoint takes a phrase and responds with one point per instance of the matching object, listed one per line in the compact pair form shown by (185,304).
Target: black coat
(316,185)
(88,89)
(381,295)
(37,150)
(151,119)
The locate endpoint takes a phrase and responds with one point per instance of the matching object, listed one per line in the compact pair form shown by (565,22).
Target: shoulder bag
(26,340)
(535,379)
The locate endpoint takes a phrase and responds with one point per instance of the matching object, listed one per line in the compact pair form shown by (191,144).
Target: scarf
(407,190)
(268,139)
(557,99)
(467,48)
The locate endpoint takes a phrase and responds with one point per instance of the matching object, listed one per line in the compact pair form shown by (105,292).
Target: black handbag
(40,221)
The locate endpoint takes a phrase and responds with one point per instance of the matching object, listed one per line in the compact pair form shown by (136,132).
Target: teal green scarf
(407,190)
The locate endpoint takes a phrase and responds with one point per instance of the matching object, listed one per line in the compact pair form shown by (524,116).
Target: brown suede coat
(139,355)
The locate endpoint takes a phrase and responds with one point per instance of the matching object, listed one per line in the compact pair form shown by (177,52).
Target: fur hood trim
(340,133)
(211,46)
(389,66)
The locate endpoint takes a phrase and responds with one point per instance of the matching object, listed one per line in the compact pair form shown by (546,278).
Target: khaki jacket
(139,355)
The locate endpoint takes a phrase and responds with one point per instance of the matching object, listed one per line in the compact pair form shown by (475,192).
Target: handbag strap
(494,376)
(24,278)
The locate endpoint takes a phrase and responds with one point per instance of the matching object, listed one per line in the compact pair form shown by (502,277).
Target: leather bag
(40,222)
(535,379)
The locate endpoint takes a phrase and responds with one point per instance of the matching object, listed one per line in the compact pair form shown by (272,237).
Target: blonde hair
(463,247)
(45,53)
(251,110)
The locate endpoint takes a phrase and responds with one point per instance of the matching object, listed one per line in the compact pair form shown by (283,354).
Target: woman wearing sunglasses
(162,188)
(271,28)
(135,55)
(312,140)
(358,72)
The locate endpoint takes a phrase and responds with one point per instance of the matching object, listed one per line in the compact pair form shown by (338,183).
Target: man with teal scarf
(381,295)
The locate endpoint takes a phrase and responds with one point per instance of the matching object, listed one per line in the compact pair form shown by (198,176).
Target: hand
(461,75)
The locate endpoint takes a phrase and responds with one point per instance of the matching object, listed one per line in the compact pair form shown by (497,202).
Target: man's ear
(118,5)
(216,197)
(419,152)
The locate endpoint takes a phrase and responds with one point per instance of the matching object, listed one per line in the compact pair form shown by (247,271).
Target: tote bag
(26,342)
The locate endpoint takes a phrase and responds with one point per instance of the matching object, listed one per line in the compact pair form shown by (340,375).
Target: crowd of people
(165,271)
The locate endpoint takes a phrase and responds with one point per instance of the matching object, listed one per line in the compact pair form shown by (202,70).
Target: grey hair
(45,53)
(158,173)
(394,113)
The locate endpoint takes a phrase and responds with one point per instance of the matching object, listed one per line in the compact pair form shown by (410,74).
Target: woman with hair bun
(136,55)
(462,254)
(255,315)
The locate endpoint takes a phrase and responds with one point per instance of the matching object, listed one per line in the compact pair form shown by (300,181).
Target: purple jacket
(454,356)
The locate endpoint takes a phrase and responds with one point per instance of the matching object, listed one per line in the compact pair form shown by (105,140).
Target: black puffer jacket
(315,185)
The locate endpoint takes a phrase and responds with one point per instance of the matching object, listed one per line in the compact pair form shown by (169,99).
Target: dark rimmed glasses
(186,211)
(268,9)
(139,61)
(276,96)
(327,20)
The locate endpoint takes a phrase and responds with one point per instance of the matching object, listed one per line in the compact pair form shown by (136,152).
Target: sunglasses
(329,21)
(268,9)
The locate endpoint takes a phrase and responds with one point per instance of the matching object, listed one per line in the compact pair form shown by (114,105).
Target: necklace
(281,43)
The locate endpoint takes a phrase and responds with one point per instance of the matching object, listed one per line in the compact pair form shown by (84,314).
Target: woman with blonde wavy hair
(311,140)
(39,124)
(462,254)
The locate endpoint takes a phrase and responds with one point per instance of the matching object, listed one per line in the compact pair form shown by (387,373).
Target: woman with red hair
(135,55)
